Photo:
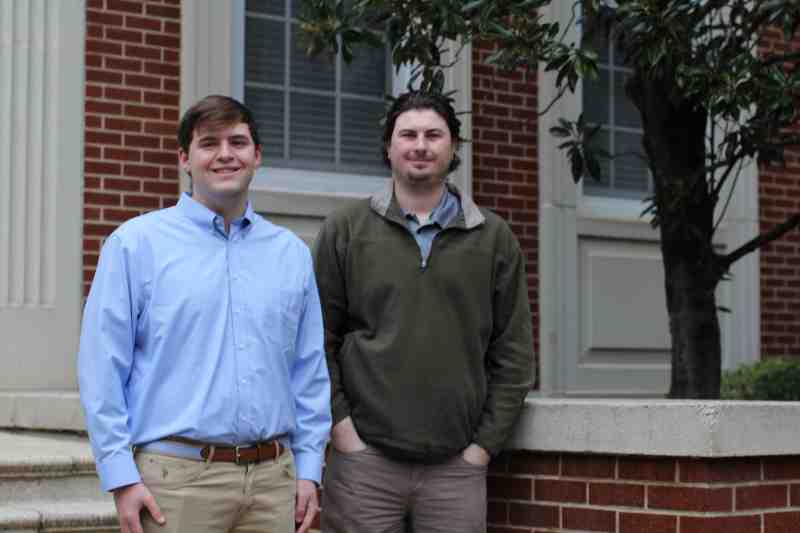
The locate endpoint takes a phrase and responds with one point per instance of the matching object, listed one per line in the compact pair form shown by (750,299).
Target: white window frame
(212,62)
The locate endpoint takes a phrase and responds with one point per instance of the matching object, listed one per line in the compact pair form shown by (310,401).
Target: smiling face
(221,161)
(420,149)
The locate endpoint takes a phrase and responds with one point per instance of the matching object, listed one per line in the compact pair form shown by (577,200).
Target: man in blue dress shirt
(202,371)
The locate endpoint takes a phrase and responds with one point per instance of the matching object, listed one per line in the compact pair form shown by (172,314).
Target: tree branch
(556,98)
(775,233)
(730,165)
(728,200)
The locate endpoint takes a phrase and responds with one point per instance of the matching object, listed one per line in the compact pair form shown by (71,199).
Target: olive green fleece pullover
(424,360)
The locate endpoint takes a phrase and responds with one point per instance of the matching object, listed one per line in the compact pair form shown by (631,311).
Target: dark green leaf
(559,131)
(593,166)
(472,6)
(576,165)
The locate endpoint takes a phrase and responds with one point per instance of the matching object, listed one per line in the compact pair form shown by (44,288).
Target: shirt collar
(444,211)
(203,216)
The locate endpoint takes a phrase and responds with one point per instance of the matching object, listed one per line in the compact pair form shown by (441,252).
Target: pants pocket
(168,472)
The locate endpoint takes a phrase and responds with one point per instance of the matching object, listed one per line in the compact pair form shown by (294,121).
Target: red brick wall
(132,99)
(779,195)
(505,161)
(537,493)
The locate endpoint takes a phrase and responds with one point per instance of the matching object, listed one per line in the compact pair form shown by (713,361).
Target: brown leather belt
(241,455)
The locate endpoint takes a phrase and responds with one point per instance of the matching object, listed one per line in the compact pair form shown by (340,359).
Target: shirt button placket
(239,324)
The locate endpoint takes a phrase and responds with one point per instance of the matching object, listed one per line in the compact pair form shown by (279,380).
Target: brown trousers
(200,497)
(366,492)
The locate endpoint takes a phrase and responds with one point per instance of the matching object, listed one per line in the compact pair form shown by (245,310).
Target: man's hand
(307,505)
(475,455)
(344,437)
(129,501)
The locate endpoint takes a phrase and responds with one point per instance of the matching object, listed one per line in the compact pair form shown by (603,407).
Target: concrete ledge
(674,428)
(58,410)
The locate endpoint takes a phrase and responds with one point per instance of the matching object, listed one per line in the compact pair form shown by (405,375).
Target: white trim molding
(557,233)
(42,83)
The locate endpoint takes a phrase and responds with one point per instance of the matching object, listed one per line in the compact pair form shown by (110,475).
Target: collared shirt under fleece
(192,332)
(424,357)
(438,219)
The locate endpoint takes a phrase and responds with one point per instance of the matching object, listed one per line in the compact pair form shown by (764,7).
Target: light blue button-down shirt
(189,331)
(440,217)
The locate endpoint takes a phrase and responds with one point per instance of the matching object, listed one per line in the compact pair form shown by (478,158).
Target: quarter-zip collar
(384,203)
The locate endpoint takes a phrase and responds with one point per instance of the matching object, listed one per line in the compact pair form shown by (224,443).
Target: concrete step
(63,516)
(48,484)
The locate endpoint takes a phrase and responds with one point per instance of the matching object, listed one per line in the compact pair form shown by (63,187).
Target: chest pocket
(280,316)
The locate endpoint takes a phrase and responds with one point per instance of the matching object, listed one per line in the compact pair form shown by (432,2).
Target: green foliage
(705,53)
(770,379)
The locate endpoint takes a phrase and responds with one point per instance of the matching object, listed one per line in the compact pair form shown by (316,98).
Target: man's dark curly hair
(418,100)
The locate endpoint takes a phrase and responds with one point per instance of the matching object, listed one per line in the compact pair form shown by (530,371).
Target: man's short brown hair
(211,111)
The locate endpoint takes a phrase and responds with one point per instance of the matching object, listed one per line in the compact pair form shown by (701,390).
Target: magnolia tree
(710,96)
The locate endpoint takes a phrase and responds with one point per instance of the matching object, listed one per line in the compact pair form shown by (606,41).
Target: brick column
(505,159)
(779,198)
(132,99)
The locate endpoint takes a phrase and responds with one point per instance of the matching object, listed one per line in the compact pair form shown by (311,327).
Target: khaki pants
(197,496)
(366,492)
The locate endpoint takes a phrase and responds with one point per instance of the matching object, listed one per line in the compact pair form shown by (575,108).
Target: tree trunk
(674,140)
(693,324)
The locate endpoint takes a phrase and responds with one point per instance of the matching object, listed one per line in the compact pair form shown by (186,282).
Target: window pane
(312,128)
(308,134)
(366,75)
(269,7)
(596,99)
(297,8)
(310,73)
(605,103)
(630,171)
(362,135)
(267,107)
(265,51)
(625,113)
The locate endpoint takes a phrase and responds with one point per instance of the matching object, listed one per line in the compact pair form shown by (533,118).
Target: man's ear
(258,155)
(183,161)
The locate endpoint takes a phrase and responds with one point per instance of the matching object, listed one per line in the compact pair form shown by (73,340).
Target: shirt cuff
(117,471)
(308,466)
